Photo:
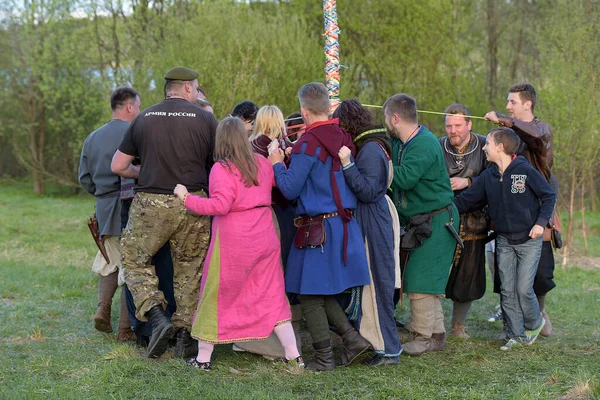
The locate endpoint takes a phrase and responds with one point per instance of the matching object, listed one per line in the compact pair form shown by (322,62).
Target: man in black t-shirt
(174,141)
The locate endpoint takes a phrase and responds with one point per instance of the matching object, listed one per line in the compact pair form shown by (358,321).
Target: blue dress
(321,271)
(368,179)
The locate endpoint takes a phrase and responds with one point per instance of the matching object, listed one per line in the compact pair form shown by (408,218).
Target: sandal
(204,366)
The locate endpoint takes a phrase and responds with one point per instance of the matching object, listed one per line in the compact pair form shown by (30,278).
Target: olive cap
(181,74)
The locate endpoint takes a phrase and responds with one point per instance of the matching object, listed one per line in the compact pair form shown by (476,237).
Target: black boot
(186,346)
(323,360)
(142,341)
(353,346)
(162,330)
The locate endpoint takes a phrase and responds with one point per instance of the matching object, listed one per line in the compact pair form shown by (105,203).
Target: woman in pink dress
(242,293)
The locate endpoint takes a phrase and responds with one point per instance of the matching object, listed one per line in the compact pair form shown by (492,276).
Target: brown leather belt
(436,212)
(476,237)
(317,218)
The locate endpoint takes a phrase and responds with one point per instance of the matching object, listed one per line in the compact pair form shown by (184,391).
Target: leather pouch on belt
(309,233)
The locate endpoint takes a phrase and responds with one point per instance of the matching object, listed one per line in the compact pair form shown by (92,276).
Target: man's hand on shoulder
(277,156)
(344,155)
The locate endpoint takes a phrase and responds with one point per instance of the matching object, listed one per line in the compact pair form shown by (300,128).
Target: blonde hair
(269,122)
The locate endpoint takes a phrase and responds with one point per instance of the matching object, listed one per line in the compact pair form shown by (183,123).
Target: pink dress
(242,293)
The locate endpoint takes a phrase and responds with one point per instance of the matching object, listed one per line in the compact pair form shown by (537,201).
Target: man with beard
(423,197)
(465,160)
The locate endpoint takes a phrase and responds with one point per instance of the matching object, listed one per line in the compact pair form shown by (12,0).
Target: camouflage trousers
(155,219)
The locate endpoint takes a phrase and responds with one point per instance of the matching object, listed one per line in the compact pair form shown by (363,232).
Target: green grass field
(49,348)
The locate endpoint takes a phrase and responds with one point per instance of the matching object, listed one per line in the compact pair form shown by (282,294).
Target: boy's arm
(544,192)
(474,198)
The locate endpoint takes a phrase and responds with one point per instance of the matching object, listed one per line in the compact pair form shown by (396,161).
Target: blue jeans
(517,265)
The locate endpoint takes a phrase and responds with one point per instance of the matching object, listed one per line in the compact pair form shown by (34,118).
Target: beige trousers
(427,316)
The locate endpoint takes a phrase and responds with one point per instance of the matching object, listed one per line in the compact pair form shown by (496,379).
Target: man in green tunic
(421,186)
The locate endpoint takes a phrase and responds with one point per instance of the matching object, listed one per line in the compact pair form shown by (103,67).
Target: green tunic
(421,185)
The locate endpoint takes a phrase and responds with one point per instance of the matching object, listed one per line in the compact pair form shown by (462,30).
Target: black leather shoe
(186,346)
(142,341)
(162,331)
(378,360)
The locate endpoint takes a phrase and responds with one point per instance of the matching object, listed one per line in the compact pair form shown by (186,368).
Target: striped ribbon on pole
(332,53)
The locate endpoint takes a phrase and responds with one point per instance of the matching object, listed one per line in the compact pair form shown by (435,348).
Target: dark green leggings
(320,313)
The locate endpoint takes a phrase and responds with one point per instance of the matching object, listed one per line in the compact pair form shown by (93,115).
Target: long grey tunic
(97,178)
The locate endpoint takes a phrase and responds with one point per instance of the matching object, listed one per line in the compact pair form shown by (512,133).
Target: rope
(431,112)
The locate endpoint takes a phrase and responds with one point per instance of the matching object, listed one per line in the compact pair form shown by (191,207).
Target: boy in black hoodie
(520,202)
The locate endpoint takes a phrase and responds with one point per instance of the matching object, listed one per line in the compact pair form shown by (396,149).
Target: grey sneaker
(510,344)
(497,316)
(532,335)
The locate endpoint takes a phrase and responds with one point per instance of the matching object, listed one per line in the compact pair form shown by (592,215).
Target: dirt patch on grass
(580,261)
(581,390)
(552,380)
(8,303)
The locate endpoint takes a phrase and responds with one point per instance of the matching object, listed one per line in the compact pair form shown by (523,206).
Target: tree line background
(62,58)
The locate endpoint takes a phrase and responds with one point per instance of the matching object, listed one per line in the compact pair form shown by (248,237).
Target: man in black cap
(174,141)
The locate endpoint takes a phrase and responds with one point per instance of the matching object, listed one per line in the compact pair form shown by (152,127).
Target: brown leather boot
(102,318)
(107,285)
(547,328)
(458,330)
(323,360)
(126,336)
(419,345)
(124,333)
(438,341)
(353,346)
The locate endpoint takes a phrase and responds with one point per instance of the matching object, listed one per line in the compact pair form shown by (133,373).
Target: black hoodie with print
(517,200)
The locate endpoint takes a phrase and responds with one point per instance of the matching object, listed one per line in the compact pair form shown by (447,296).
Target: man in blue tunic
(328,255)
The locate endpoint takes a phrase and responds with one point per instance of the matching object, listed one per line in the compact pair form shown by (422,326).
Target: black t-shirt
(174,141)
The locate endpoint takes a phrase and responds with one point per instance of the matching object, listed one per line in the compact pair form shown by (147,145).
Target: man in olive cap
(174,141)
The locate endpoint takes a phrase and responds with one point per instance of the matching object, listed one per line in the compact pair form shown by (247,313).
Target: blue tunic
(368,179)
(321,271)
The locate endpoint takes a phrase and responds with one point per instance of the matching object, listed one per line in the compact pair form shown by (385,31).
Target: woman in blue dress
(369,177)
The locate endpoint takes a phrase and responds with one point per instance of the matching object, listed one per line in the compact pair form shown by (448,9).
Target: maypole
(332,53)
